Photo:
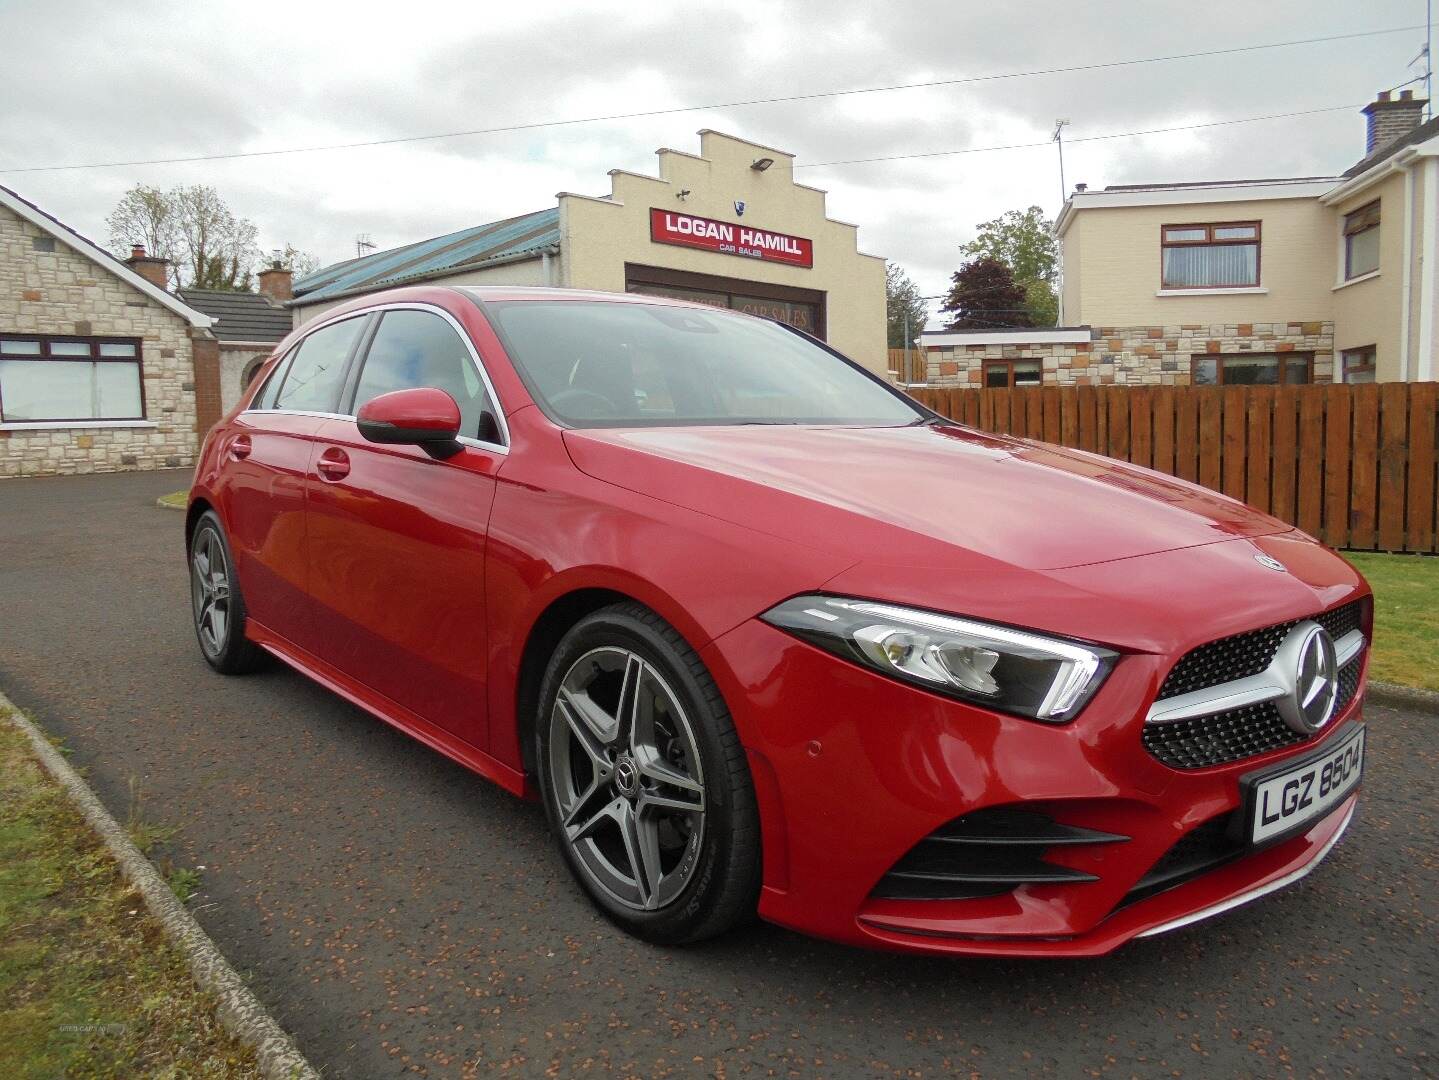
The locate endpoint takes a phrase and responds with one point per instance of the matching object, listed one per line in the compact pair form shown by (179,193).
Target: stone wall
(1152,355)
(63,292)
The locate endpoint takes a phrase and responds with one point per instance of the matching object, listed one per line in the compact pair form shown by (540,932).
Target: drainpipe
(1424,362)
(546,271)
(1406,287)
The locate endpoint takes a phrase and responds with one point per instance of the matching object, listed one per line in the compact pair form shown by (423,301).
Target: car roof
(541,292)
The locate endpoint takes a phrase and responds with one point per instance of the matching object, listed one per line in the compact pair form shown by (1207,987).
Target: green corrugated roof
(425,258)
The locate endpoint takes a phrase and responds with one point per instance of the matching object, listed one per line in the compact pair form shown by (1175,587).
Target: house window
(1361,241)
(70,379)
(1000,374)
(1224,255)
(1253,369)
(1358,364)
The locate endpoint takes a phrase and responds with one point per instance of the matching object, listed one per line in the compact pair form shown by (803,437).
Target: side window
(312,379)
(418,348)
(265,398)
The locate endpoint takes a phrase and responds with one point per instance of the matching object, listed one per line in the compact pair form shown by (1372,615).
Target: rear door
(397,537)
(270,449)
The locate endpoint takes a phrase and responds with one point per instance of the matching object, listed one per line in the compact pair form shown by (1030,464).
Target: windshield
(594,363)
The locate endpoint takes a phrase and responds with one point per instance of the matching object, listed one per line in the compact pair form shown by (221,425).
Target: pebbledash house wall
(63,292)
(1135,355)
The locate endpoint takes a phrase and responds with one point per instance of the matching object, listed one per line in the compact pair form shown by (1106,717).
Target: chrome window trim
(502,448)
(296,412)
(1252,690)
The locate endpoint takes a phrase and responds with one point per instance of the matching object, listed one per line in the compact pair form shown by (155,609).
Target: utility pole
(1429,57)
(1058,139)
(908,372)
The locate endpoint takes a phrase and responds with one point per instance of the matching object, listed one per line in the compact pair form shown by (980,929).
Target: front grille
(1220,737)
(1217,739)
(1224,661)
(1342,620)
(1196,852)
(1348,683)
(1249,653)
(987,853)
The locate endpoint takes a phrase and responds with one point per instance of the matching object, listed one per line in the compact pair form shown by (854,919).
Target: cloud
(93,81)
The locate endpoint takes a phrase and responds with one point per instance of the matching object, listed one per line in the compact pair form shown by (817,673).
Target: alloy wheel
(210,591)
(625,770)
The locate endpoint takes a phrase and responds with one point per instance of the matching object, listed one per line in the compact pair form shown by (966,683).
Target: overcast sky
(104,81)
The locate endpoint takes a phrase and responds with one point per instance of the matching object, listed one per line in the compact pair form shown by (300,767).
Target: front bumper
(853,769)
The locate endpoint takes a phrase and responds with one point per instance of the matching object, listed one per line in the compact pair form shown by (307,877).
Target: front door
(397,537)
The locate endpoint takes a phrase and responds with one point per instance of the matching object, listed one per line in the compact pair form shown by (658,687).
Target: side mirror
(425,417)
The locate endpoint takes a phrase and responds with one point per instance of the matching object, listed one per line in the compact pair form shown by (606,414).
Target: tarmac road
(400,915)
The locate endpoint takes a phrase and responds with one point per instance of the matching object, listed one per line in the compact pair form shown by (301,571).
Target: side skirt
(397,716)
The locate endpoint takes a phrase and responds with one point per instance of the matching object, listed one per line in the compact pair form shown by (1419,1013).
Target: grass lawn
(1406,617)
(176,499)
(91,987)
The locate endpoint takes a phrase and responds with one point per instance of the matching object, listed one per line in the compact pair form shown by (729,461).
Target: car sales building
(728,227)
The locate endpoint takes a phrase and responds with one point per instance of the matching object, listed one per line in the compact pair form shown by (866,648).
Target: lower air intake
(987,853)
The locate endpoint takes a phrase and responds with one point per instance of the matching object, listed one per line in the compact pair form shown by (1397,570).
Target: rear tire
(217,606)
(644,780)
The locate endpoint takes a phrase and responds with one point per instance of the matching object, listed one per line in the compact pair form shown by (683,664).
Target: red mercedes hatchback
(763,634)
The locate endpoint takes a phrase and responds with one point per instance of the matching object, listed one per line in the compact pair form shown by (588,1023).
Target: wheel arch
(576,594)
(196,510)
(545,632)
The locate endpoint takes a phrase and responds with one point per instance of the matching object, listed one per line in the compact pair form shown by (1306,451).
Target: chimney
(277,283)
(154,270)
(1390,118)
(1080,189)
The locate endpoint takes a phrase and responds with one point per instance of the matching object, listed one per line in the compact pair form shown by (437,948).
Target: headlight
(1004,669)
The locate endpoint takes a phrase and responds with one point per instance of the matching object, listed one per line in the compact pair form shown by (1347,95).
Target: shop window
(801,316)
(698,296)
(1359,364)
(70,379)
(1253,369)
(801,312)
(1361,241)
(1000,374)
(1224,255)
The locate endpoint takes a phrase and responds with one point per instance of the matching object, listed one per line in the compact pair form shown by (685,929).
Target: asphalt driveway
(400,915)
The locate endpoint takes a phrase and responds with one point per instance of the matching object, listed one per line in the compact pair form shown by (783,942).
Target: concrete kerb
(238,1009)
(1394,696)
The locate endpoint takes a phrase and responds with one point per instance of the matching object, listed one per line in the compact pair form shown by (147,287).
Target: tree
(1024,241)
(902,298)
(207,245)
(146,216)
(218,248)
(300,263)
(984,296)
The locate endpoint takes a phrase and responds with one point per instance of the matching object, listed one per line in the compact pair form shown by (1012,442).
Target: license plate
(1286,801)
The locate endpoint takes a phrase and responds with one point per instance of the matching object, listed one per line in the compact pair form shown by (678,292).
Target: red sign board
(729,238)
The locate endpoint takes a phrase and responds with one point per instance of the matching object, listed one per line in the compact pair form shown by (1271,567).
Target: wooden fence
(915,371)
(1352,465)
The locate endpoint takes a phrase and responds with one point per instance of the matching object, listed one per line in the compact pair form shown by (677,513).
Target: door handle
(334,464)
(240,447)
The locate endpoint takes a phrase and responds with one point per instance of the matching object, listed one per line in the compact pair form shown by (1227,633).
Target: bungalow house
(101,367)
(1294,280)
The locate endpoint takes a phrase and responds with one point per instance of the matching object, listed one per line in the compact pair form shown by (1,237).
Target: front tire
(644,780)
(216,602)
